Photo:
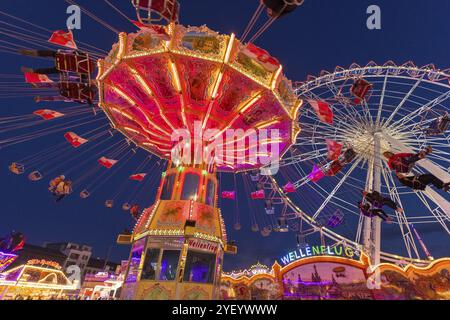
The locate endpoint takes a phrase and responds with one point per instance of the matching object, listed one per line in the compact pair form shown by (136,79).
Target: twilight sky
(318,36)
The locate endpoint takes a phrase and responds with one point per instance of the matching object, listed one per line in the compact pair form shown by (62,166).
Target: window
(135,261)
(169,264)
(190,186)
(210,193)
(74,256)
(150,264)
(199,267)
(168,187)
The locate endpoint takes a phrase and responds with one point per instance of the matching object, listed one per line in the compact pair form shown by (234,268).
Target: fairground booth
(36,280)
(336,273)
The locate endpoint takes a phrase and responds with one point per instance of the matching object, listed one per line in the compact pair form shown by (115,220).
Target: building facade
(76,254)
(35,252)
(96,265)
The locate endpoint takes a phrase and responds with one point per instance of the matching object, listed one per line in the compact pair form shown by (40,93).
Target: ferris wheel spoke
(380,106)
(336,188)
(438,100)
(408,237)
(400,105)
(440,216)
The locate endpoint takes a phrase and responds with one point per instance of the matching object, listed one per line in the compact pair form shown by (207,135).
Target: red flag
(263,57)
(63,38)
(37,78)
(323,110)
(156,31)
(289,188)
(316,174)
(334,149)
(229,195)
(258,195)
(74,139)
(138,176)
(107,163)
(47,114)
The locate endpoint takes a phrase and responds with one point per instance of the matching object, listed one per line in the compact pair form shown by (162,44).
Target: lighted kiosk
(191,81)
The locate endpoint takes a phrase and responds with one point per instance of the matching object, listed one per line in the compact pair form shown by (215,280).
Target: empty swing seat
(35,176)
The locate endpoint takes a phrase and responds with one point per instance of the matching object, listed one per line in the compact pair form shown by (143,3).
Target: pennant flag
(334,149)
(289,188)
(63,38)
(138,176)
(107,163)
(258,195)
(156,31)
(262,56)
(229,195)
(47,114)
(74,139)
(323,110)
(37,78)
(316,174)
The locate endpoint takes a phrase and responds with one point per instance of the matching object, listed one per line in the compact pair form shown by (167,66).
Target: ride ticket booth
(178,244)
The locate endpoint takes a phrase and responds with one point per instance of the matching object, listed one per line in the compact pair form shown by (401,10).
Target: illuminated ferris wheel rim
(387,72)
(426,73)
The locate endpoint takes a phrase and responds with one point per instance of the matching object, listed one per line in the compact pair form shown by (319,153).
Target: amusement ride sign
(6,259)
(44,263)
(312,251)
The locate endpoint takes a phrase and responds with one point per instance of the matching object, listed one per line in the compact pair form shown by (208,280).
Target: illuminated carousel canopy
(161,79)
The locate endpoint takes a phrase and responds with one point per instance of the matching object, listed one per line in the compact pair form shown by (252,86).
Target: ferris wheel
(366,113)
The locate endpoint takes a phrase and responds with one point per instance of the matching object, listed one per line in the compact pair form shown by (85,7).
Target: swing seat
(360,90)
(349,155)
(255,228)
(17,168)
(282,224)
(84,194)
(254,176)
(35,176)
(336,219)
(334,168)
(75,62)
(126,206)
(265,232)
(280,8)
(109,204)
(150,11)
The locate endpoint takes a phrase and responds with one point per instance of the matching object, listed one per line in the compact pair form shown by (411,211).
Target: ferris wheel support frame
(372,225)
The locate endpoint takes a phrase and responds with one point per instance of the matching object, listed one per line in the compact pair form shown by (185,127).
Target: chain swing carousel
(163,79)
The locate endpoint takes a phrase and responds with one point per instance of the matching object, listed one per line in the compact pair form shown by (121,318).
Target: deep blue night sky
(318,36)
